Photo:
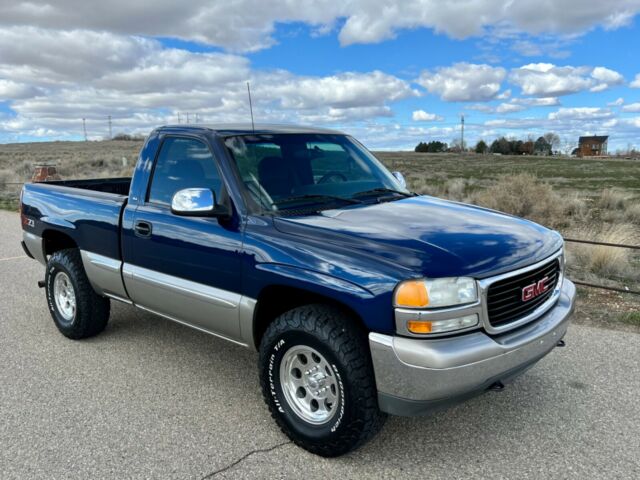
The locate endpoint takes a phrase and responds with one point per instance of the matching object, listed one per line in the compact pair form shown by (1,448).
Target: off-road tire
(92,310)
(343,344)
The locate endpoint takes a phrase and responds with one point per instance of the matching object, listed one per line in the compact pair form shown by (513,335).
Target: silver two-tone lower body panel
(33,243)
(218,312)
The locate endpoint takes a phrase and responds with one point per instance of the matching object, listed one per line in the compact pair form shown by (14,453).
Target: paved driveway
(152,399)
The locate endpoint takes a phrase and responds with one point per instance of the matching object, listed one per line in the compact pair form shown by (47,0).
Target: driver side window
(182,163)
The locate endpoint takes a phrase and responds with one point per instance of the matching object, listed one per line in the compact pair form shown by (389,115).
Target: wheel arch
(274,300)
(55,240)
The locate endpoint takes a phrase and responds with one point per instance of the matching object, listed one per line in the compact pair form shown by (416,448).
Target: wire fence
(8,200)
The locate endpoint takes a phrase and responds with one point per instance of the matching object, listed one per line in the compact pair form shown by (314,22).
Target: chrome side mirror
(197,202)
(400,179)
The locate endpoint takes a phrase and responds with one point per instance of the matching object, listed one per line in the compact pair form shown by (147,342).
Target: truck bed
(86,211)
(119,186)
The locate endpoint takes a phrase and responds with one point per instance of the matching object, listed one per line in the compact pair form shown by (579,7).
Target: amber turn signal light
(415,326)
(412,293)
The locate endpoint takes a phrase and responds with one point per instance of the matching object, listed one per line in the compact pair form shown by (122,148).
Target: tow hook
(497,386)
(561,343)
(41,284)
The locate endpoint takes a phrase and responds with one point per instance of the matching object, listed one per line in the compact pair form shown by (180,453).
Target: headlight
(436,292)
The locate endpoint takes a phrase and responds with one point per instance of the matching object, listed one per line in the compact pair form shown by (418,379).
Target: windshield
(291,171)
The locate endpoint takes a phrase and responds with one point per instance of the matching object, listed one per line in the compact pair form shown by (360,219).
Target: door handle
(142,228)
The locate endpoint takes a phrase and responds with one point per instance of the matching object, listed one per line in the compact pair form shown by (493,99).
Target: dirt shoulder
(604,309)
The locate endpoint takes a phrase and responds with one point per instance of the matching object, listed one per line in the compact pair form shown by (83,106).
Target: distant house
(592,146)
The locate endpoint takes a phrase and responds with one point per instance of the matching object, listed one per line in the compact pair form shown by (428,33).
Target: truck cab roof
(229,129)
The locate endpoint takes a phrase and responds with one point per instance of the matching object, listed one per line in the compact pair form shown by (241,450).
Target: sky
(391,73)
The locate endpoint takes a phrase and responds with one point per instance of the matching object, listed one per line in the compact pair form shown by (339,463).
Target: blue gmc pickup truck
(361,298)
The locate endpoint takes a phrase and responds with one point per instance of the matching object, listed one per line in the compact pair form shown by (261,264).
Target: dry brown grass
(632,213)
(525,196)
(73,159)
(612,199)
(603,261)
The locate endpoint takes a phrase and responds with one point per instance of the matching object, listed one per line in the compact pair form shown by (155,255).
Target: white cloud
(10,90)
(47,57)
(422,116)
(632,107)
(464,82)
(636,82)
(144,84)
(581,113)
(537,102)
(249,24)
(62,60)
(510,108)
(346,90)
(546,79)
(607,76)
(616,103)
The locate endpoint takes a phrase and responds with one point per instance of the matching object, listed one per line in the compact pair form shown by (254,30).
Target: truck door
(185,268)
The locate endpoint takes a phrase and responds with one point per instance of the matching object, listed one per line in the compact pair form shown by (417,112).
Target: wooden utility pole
(462,132)
(110,129)
(84,128)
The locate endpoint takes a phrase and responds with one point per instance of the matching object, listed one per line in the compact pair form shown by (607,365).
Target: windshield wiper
(320,198)
(379,190)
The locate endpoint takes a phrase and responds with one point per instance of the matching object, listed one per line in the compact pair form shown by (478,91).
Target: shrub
(525,196)
(601,260)
(611,199)
(632,213)
(455,189)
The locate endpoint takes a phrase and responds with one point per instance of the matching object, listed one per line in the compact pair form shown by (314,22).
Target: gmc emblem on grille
(535,289)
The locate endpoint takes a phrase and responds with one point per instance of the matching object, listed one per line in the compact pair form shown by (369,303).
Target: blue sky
(391,73)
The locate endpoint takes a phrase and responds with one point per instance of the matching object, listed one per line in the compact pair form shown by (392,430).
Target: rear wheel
(77,310)
(317,379)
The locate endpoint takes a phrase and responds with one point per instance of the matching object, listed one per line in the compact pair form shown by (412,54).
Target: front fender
(314,280)
(374,308)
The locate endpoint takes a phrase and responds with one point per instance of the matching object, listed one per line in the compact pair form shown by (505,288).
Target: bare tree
(552,139)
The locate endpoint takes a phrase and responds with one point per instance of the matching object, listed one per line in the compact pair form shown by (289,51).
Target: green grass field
(563,173)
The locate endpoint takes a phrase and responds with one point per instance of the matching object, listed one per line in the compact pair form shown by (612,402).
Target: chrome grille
(504,298)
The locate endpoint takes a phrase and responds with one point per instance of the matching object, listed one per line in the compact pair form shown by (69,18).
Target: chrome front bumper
(414,376)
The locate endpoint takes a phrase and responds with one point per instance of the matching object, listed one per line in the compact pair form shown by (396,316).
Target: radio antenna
(253,127)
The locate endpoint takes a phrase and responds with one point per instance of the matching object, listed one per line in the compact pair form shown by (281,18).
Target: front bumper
(415,376)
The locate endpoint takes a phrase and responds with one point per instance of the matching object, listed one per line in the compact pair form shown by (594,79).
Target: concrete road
(152,399)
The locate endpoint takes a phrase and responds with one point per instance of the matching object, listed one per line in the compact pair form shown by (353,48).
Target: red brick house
(593,146)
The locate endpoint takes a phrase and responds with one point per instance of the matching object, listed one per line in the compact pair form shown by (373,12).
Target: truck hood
(429,236)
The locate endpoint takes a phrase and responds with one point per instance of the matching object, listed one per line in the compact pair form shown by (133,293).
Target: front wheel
(317,380)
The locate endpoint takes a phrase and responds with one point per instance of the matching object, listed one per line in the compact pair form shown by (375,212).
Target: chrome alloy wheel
(309,384)
(65,296)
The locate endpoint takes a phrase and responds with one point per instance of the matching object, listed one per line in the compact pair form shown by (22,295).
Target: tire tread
(340,333)
(93,310)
